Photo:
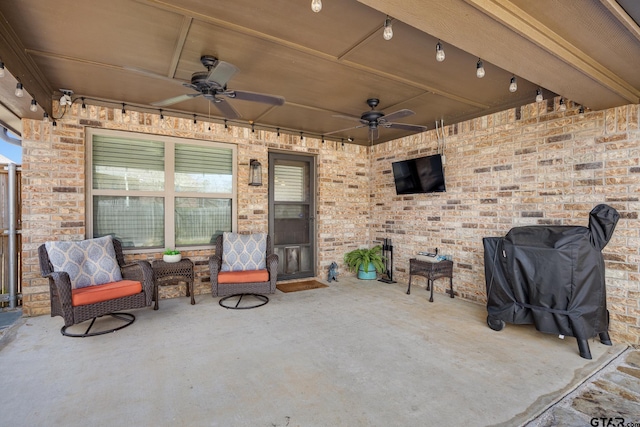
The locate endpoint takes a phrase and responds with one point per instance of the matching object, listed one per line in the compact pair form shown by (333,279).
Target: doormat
(300,286)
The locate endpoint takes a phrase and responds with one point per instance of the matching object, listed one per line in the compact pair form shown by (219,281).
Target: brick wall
(526,166)
(53,192)
(531,165)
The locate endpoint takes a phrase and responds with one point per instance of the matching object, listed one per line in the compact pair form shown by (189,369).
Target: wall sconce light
(255,172)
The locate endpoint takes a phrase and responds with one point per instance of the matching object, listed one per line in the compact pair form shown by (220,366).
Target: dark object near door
(553,277)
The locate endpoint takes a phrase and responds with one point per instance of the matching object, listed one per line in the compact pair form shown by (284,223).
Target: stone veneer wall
(53,191)
(525,166)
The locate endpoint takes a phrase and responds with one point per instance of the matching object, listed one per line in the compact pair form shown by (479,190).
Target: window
(155,192)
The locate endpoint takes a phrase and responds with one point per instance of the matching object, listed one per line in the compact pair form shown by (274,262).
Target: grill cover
(551,276)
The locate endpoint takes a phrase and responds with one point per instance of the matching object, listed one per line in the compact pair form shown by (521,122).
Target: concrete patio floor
(357,353)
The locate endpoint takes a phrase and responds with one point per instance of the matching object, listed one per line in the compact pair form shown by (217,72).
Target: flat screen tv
(421,175)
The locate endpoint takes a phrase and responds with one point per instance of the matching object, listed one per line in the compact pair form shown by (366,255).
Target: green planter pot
(371,275)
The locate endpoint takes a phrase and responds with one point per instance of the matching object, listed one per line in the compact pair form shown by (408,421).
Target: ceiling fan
(374,118)
(212,85)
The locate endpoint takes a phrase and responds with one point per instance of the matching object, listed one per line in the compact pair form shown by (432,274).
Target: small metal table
(165,273)
(431,271)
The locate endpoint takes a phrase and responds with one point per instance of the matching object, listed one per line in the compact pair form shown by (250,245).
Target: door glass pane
(290,182)
(203,169)
(127,164)
(291,224)
(138,222)
(199,221)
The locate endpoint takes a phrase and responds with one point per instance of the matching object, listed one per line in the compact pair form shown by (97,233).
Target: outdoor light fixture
(255,172)
(513,86)
(439,52)
(65,99)
(387,33)
(479,69)
(1,69)
(19,90)
(562,106)
(539,95)
(34,106)
(45,117)
(316,5)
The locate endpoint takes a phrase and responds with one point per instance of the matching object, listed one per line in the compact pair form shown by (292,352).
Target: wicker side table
(165,273)
(431,271)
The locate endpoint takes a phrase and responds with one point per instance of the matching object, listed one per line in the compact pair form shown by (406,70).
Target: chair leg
(583,348)
(128,318)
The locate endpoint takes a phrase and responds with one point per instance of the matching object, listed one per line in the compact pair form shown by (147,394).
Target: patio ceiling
(324,64)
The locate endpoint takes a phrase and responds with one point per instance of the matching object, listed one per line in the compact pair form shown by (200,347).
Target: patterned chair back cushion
(88,262)
(241,252)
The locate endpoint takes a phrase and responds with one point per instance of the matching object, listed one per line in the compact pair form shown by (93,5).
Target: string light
(19,90)
(562,106)
(226,126)
(83,111)
(45,117)
(316,5)
(387,33)
(539,95)
(479,69)
(301,137)
(581,112)
(439,52)
(1,69)
(34,106)
(123,109)
(513,86)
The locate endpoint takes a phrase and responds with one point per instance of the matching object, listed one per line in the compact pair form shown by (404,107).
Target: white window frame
(168,194)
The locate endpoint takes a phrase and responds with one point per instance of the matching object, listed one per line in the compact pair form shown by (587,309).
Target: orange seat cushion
(247,276)
(108,291)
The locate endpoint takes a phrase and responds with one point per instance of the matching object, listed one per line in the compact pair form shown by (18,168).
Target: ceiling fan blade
(222,72)
(395,115)
(225,108)
(175,99)
(357,119)
(154,75)
(255,97)
(404,126)
(344,130)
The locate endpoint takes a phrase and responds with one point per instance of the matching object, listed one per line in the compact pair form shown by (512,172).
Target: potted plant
(171,255)
(367,262)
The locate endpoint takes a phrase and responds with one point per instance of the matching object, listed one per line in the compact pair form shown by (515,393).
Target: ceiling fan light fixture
(439,52)
(316,5)
(480,69)
(19,90)
(539,97)
(34,106)
(387,33)
(513,86)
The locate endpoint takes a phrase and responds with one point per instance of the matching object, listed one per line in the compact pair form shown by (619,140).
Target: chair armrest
(60,283)
(215,263)
(272,267)
(142,272)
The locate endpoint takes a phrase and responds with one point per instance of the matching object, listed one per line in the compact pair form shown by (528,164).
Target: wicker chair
(250,287)
(61,295)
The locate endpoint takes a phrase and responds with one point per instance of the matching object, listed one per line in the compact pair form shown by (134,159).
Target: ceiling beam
(23,68)
(535,31)
(621,15)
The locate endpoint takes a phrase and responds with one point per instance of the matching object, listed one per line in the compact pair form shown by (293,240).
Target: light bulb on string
(562,106)
(480,69)
(387,33)
(513,86)
(439,52)
(539,97)
(45,117)
(1,69)
(83,110)
(34,106)
(19,90)
(316,5)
